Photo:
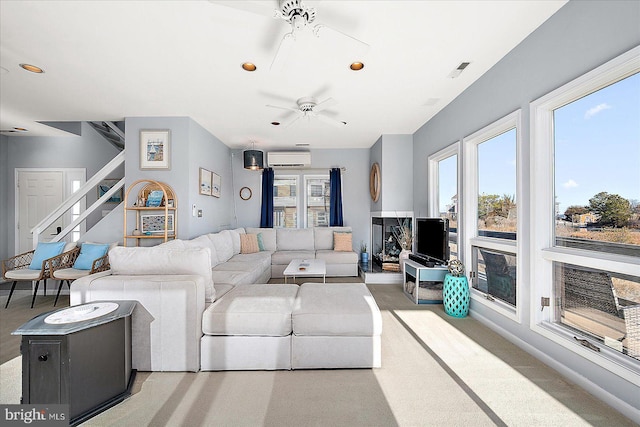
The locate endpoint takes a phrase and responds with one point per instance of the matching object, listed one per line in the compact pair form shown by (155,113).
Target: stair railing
(89,185)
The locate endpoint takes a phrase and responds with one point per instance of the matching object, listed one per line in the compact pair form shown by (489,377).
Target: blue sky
(597,148)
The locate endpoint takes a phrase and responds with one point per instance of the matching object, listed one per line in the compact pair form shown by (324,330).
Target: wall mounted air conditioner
(289,159)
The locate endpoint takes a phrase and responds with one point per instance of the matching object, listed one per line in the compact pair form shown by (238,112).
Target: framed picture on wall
(154,223)
(216,184)
(205,182)
(155,151)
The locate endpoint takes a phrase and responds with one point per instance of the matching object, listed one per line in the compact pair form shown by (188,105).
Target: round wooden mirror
(374,182)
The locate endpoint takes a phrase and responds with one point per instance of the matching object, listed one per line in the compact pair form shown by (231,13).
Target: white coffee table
(306,268)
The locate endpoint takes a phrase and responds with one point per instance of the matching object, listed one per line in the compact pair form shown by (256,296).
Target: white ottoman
(248,329)
(335,325)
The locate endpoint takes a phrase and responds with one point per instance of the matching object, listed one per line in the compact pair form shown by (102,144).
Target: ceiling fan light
(356,66)
(253,159)
(249,66)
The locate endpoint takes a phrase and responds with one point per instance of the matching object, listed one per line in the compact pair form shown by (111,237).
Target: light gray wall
(89,151)
(397,178)
(355,188)
(375,156)
(4,198)
(579,37)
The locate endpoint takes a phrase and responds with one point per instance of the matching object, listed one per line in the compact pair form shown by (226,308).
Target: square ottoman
(335,325)
(249,328)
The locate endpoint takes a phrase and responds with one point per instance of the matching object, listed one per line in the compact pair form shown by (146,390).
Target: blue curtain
(335,202)
(266,212)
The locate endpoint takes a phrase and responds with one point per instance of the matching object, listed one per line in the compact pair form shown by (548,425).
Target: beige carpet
(436,371)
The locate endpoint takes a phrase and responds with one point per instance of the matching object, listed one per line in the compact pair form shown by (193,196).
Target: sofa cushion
(323,236)
(254,310)
(172,244)
(261,260)
(223,244)
(337,309)
(294,239)
(342,242)
(253,271)
(337,257)
(285,257)
(249,244)
(268,237)
(235,238)
(203,242)
(162,261)
(235,277)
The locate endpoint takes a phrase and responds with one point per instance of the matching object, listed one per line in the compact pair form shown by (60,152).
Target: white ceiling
(106,60)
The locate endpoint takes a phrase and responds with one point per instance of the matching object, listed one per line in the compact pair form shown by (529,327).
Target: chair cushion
(44,251)
(22,274)
(88,253)
(255,310)
(69,274)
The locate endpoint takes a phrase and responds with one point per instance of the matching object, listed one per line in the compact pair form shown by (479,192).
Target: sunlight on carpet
(498,384)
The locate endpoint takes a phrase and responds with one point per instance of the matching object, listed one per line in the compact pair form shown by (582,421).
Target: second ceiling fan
(309,107)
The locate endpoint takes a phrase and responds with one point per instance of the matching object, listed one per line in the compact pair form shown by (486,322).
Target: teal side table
(455,295)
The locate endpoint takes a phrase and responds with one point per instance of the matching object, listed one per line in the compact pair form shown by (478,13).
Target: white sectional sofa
(201,307)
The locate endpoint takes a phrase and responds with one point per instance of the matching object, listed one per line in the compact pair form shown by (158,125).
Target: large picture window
(491,213)
(586,145)
(311,199)
(443,192)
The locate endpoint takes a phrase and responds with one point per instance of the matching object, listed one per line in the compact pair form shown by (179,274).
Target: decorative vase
(365,257)
(402,257)
(455,295)
(136,232)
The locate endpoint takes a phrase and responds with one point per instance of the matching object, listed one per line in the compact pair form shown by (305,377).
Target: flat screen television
(432,239)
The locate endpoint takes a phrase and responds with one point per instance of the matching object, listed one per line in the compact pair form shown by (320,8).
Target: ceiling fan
(308,107)
(300,17)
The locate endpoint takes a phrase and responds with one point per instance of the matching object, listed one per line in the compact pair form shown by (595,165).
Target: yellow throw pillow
(249,243)
(342,242)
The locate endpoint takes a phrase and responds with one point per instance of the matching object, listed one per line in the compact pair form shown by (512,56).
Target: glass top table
(306,268)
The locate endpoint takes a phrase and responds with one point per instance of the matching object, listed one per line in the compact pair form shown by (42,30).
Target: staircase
(109,131)
(113,135)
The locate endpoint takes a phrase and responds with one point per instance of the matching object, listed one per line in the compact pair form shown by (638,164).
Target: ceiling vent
(289,159)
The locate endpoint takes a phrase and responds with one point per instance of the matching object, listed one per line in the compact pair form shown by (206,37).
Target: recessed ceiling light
(275,123)
(20,129)
(356,66)
(302,144)
(32,68)
(249,66)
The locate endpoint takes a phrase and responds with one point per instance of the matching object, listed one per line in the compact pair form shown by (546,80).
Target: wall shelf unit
(159,221)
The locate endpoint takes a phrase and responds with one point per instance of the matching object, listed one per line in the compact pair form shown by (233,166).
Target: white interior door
(39,193)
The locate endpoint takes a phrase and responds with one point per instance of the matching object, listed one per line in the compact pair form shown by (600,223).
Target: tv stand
(421,284)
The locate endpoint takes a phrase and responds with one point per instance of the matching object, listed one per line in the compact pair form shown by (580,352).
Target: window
(317,201)
(491,215)
(285,201)
(586,146)
(312,199)
(443,189)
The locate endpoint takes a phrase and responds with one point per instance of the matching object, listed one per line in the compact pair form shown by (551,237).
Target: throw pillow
(89,252)
(260,242)
(249,244)
(342,242)
(43,252)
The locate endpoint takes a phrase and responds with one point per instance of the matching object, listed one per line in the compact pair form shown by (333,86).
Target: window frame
(468,215)
(296,178)
(305,206)
(543,251)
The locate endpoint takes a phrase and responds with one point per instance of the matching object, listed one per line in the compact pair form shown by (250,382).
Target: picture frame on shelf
(205,182)
(155,150)
(216,185)
(105,185)
(154,223)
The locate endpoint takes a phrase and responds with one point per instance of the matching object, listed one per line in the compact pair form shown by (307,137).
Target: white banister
(75,198)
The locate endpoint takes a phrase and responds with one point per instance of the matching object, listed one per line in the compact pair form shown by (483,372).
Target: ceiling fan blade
(292,119)
(283,108)
(331,120)
(282,55)
(329,34)
(327,103)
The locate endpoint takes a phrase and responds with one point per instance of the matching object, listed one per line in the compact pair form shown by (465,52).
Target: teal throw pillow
(45,251)
(260,242)
(88,253)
